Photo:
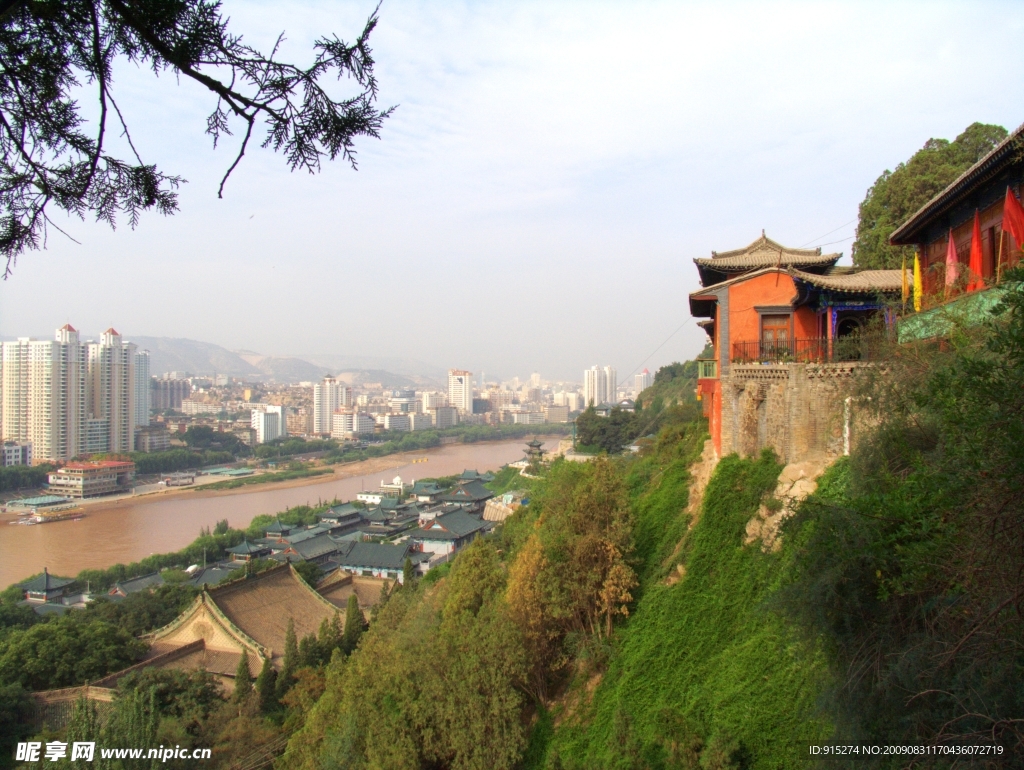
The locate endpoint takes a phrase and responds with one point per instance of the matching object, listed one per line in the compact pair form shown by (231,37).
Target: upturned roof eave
(999,157)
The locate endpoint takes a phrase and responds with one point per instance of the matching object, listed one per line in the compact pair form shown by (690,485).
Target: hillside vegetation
(611,623)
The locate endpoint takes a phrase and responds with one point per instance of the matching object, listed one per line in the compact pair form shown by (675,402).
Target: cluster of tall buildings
(66,398)
(600,386)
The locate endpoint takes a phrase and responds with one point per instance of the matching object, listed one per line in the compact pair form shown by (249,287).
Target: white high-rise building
(269,422)
(111,389)
(595,388)
(611,383)
(43,399)
(599,386)
(328,397)
(143,390)
(642,381)
(432,399)
(460,390)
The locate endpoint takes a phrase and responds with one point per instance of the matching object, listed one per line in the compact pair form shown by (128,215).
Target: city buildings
(432,400)
(143,389)
(642,381)
(16,454)
(421,421)
(556,414)
(168,393)
(445,417)
(80,480)
(44,394)
(152,438)
(397,422)
(110,391)
(599,385)
(460,390)
(300,421)
(329,396)
(269,422)
(403,401)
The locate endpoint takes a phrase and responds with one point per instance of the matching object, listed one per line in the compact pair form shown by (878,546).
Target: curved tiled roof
(1003,154)
(764,252)
(862,281)
(261,606)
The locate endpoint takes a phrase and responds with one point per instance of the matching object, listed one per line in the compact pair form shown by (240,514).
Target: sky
(538,197)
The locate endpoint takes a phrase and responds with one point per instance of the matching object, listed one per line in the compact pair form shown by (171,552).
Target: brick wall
(797,410)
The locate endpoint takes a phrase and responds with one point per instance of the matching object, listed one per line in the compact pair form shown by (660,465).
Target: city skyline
(503,161)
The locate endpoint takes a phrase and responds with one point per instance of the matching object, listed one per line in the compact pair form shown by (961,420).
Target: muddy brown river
(133,528)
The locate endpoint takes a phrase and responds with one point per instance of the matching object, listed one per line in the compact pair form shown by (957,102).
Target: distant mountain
(283,369)
(418,370)
(169,354)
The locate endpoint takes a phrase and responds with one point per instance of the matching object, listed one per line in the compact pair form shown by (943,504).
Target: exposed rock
(796,482)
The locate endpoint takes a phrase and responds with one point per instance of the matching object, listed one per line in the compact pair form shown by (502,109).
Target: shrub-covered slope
(705,674)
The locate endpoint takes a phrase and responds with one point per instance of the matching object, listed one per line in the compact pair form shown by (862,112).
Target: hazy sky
(537,199)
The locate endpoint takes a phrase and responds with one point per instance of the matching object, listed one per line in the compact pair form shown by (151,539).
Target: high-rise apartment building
(269,422)
(460,390)
(168,393)
(642,381)
(403,401)
(329,396)
(599,385)
(111,389)
(143,397)
(432,399)
(611,382)
(43,399)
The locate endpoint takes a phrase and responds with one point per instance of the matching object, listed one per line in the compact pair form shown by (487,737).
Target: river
(132,528)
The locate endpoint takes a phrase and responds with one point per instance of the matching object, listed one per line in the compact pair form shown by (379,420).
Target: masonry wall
(797,410)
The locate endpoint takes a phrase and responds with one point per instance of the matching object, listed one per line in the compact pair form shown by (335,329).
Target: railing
(707,369)
(851,348)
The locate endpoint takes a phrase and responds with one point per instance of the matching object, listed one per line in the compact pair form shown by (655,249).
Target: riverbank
(130,528)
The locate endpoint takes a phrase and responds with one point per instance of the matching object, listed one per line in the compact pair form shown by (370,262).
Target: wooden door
(774,335)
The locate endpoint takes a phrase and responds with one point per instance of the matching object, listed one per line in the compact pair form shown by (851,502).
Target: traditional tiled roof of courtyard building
(375,556)
(450,526)
(470,491)
(45,583)
(136,584)
(261,606)
(314,548)
(764,252)
(857,282)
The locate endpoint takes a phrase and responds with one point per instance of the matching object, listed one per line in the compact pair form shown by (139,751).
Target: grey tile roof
(764,252)
(375,555)
(861,281)
(141,583)
(449,526)
(315,547)
(469,491)
(45,583)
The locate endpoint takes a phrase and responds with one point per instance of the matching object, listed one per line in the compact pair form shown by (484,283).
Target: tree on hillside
(896,195)
(243,679)
(52,51)
(353,624)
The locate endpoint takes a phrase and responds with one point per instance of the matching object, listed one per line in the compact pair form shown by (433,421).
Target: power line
(673,334)
(828,233)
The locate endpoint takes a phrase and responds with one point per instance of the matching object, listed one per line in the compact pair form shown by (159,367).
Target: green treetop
(897,195)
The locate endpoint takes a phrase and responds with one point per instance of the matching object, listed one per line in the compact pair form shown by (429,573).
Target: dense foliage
(24,476)
(896,195)
(172,460)
(914,572)
(55,154)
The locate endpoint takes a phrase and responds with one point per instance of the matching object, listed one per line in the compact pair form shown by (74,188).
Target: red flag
(952,264)
(975,281)
(1013,218)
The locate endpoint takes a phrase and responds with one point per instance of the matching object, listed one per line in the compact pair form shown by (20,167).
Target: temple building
(782,322)
(970,218)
